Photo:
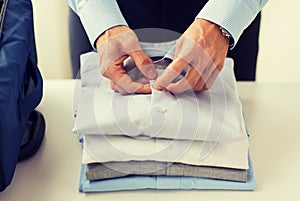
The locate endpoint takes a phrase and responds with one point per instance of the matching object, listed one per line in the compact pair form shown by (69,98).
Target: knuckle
(200,88)
(192,83)
(160,84)
(112,85)
(206,87)
(220,66)
(105,72)
(122,92)
(173,90)
(143,60)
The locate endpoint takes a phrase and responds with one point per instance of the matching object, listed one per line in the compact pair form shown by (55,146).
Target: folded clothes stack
(161,141)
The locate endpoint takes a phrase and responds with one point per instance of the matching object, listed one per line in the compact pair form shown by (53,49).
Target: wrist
(111,32)
(210,31)
(227,35)
(215,30)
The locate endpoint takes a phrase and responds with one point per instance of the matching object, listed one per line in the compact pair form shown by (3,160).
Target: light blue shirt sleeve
(97,16)
(233,15)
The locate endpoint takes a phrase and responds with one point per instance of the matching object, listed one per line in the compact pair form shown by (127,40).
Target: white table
(273,117)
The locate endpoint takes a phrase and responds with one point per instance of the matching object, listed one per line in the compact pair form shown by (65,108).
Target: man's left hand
(203,48)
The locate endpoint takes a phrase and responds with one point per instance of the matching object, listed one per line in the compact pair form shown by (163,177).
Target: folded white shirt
(100,149)
(213,115)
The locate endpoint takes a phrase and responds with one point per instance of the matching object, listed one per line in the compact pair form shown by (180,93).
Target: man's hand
(116,45)
(204,49)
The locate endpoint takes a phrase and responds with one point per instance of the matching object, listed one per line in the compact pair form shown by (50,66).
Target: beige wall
(51,33)
(279,43)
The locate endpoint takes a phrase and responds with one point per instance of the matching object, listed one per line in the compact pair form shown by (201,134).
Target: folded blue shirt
(164,183)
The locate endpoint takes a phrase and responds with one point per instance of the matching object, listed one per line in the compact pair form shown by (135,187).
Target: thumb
(144,64)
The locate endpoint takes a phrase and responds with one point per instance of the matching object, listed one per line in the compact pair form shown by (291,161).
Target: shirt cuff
(232,15)
(99,15)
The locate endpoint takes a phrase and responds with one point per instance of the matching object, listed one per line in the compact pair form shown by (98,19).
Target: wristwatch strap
(226,34)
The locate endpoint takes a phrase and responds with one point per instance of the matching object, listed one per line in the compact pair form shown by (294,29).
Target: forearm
(97,16)
(233,15)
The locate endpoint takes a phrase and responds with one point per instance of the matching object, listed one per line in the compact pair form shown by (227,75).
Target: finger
(128,85)
(144,63)
(209,81)
(208,69)
(204,76)
(212,79)
(209,76)
(115,68)
(190,80)
(146,89)
(201,85)
(118,76)
(112,85)
(142,80)
(121,91)
(116,88)
(109,53)
(170,74)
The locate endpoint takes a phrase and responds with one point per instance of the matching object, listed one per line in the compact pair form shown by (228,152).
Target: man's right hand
(114,46)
